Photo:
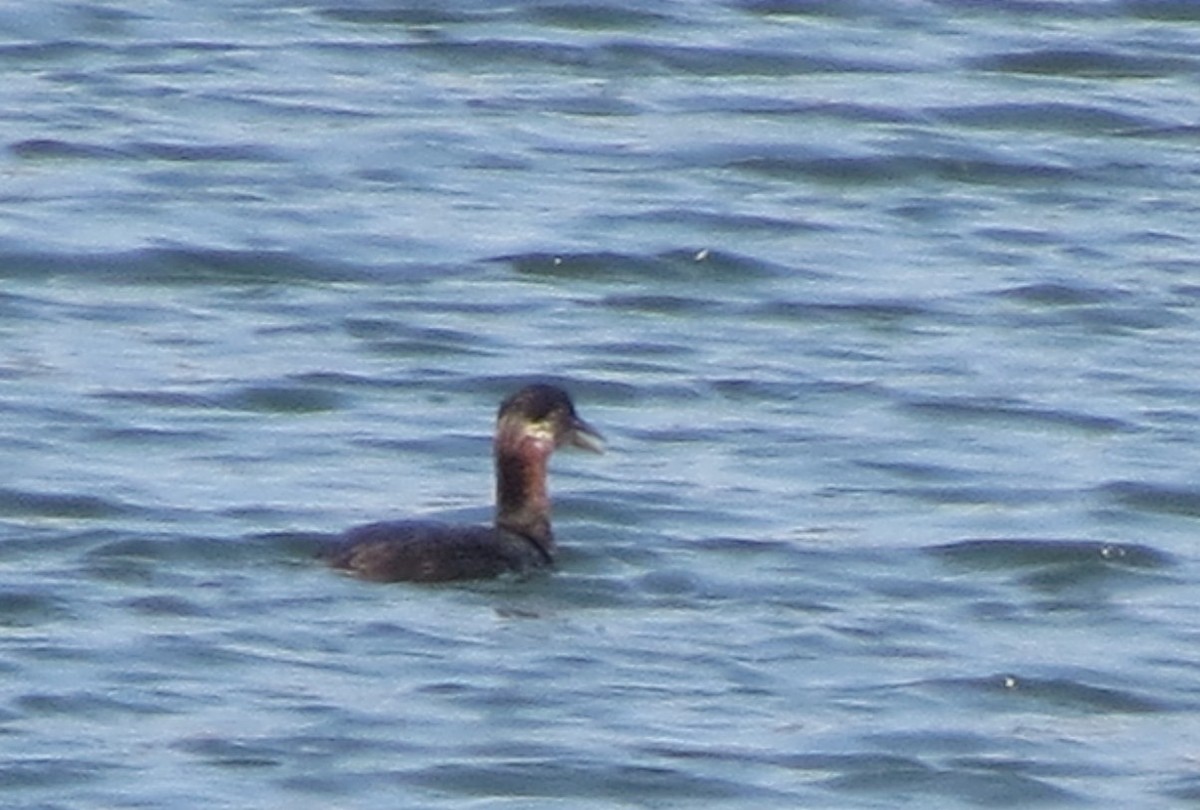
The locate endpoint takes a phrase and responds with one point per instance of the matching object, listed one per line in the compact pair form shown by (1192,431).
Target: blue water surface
(889,311)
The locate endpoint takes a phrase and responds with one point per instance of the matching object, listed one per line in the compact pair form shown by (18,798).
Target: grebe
(531,425)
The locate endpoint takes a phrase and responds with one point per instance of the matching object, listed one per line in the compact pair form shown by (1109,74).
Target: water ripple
(1024,693)
(15,502)
(531,778)
(1149,497)
(31,606)
(890,318)
(51,149)
(1014,414)
(676,265)
(1046,116)
(52,772)
(1002,553)
(1086,62)
(175,266)
(891,169)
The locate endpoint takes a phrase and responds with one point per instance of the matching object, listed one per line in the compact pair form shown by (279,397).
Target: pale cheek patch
(540,432)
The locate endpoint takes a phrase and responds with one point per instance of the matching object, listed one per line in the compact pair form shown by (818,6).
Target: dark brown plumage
(531,425)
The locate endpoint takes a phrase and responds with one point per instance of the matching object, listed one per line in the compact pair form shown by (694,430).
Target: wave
(1019,553)
(1157,498)
(675,265)
(57,149)
(28,503)
(1085,62)
(975,409)
(893,169)
(199,266)
(1055,694)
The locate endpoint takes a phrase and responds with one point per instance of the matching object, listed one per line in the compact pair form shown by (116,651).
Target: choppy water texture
(888,309)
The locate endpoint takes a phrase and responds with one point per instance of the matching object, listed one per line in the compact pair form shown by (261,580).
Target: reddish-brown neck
(522,499)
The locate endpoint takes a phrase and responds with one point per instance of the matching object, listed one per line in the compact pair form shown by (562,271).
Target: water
(888,310)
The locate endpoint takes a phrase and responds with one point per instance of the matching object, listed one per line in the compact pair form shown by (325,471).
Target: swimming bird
(530,426)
